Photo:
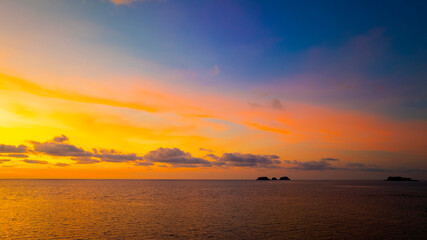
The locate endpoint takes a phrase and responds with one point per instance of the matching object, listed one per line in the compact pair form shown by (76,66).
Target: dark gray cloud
(330,159)
(35,161)
(275,103)
(175,157)
(13,149)
(320,165)
(143,164)
(60,139)
(213,156)
(59,149)
(16,155)
(356,165)
(364,167)
(85,160)
(114,156)
(325,164)
(248,160)
(408,170)
(4,160)
(62,164)
(207,150)
(59,146)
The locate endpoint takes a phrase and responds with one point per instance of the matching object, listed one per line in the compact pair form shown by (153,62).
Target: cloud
(85,160)
(276,104)
(207,150)
(35,161)
(120,2)
(311,165)
(26,86)
(62,164)
(60,139)
(175,157)
(125,2)
(324,164)
(330,159)
(13,149)
(216,70)
(16,155)
(143,164)
(248,160)
(56,147)
(363,167)
(114,156)
(213,156)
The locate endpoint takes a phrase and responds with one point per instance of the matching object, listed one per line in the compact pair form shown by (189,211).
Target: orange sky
(122,116)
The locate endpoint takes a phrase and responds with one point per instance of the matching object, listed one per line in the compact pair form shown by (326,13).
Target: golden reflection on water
(154,209)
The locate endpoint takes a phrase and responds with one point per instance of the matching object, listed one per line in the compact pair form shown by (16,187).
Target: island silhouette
(264,178)
(398,178)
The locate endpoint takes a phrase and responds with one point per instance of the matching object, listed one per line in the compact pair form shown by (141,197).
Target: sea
(212,209)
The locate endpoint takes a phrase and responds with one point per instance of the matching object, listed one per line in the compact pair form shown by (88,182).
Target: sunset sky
(213,89)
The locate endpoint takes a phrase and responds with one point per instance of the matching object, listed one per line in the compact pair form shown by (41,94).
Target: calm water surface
(163,209)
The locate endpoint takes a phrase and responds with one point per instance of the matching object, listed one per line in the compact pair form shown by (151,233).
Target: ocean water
(217,209)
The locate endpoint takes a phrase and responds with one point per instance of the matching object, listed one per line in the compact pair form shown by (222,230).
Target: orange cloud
(11,83)
(118,2)
(124,2)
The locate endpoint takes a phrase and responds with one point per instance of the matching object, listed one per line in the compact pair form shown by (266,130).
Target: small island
(273,178)
(404,179)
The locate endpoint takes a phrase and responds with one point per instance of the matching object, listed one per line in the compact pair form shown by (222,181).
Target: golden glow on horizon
(31,112)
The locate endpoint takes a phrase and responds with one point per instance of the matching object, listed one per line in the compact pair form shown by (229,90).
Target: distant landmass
(274,178)
(400,179)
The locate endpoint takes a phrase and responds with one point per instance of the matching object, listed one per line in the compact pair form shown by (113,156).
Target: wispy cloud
(60,139)
(321,165)
(35,161)
(11,83)
(15,155)
(276,104)
(62,164)
(143,164)
(216,70)
(325,164)
(85,160)
(123,2)
(207,150)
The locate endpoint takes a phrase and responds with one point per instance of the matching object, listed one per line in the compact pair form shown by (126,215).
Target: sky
(230,89)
